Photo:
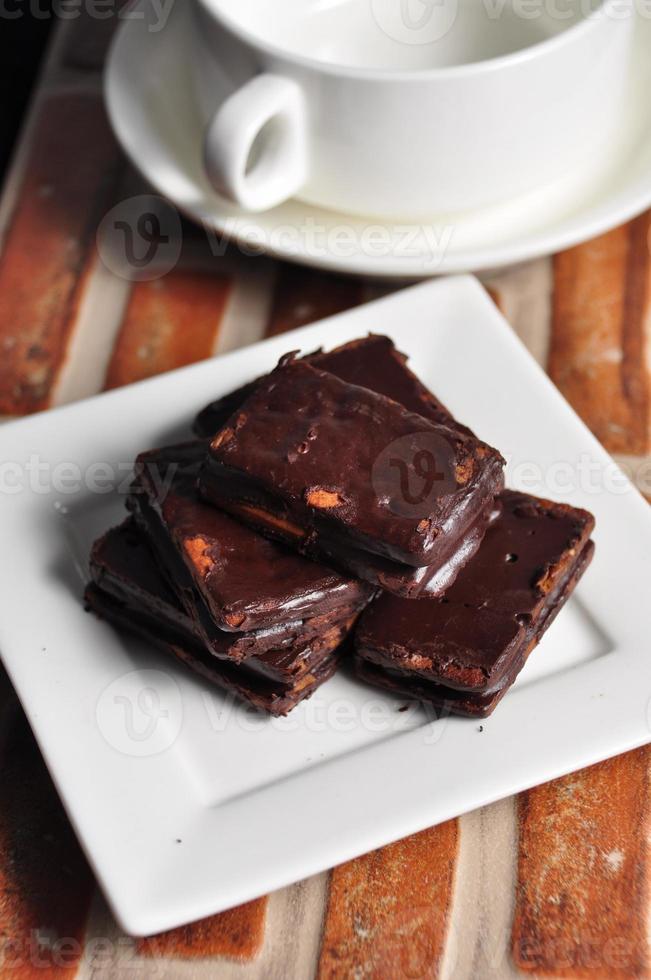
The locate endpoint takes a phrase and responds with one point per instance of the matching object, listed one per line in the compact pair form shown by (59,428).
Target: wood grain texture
(237,934)
(579,878)
(45,883)
(582,895)
(168,322)
(523,294)
(70,172)
(482,906)
(304,295)
(599,354)
(388,911)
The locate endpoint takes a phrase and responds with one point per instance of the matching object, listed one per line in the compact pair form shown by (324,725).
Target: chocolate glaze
(371,362)
(500,602)
(409,582)
(448,700)
(229,577)
(124,570)
(302,452)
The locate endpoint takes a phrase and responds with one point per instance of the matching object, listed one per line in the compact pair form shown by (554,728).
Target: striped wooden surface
(554,883)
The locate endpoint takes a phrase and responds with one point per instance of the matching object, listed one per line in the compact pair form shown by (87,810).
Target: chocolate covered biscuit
(282,666)
(464,650)
(329,467)
(373,362)
(228,577)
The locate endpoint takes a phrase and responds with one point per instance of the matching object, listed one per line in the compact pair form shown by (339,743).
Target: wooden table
(554,882)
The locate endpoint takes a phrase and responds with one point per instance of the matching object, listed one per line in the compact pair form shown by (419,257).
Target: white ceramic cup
(404,109)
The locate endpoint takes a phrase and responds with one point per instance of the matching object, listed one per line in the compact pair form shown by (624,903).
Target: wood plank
(45,882)
(237,934)
(524,295)
(582,896)
(388,911)
(479,930)
(290,948)
(249,305)
(599,354)
(70,172)
(303,295)
(168,322)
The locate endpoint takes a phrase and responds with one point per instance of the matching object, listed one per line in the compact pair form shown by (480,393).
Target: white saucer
(150,100)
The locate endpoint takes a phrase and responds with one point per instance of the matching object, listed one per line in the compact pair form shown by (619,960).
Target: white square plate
(187,803)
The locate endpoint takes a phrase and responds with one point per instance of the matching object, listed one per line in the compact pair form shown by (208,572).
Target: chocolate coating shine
(283,666)
(477,637)
(123,565)
(409,582)
(228,576)
(308,457)
(373,362)
(452,701)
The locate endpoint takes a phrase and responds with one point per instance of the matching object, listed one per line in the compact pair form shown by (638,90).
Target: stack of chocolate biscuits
(335,484)
(249,615)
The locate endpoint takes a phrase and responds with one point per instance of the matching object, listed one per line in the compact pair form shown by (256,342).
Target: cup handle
(254,146)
